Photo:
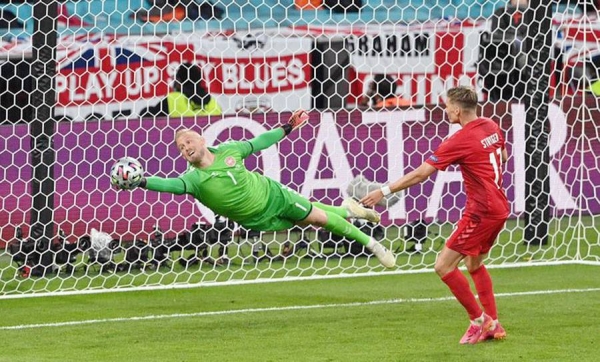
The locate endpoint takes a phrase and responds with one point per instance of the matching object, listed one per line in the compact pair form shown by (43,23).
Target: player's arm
(266,139)
(504,155)
(171,185)
(414,177)
(269,138)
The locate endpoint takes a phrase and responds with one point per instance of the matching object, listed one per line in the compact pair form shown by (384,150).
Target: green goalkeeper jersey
(226,186)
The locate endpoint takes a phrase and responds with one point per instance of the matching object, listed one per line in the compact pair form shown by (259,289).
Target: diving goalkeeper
(218,178)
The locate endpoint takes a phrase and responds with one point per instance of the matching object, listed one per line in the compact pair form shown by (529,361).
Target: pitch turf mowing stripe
(279,309)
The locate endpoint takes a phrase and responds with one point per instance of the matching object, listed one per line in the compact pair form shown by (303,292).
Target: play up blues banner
(248,72)
(103,76)
(107,77)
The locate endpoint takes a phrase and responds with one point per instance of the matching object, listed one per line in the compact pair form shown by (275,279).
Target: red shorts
(475,236)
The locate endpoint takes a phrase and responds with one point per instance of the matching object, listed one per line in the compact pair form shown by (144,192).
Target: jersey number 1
(232,178)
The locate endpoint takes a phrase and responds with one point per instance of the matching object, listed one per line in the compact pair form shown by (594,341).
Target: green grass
(337,323)
(549,311)
(571,238)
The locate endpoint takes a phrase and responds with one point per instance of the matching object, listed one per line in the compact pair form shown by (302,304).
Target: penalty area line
(280,309)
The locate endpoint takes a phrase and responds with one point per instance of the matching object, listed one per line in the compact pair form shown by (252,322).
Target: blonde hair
(181,132)
(464,97)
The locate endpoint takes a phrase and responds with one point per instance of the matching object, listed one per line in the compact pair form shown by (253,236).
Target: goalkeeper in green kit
(218,178)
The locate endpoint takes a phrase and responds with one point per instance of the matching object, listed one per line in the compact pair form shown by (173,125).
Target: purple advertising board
(319,161)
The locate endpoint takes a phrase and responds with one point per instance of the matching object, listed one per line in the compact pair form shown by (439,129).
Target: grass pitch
(550,314)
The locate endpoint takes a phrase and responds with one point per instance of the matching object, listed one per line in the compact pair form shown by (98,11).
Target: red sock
(485,291)
(459,286)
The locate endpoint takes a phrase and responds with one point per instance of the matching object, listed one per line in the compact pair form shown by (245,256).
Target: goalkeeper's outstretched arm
(267,139)
(172,185)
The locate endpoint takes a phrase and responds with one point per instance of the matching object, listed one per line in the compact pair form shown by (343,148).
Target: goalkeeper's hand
(297,120)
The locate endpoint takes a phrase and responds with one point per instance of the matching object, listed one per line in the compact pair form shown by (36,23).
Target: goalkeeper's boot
(494,333)
(385,256)
(357,211)
(475,331)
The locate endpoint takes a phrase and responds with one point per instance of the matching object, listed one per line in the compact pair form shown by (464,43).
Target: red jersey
(477,149)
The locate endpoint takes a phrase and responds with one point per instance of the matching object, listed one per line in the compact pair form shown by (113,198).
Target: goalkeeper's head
(192,146)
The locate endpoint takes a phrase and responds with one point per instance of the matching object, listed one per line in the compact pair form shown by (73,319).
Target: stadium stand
(114,17)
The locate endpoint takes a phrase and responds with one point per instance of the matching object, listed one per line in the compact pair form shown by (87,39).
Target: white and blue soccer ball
(126,173)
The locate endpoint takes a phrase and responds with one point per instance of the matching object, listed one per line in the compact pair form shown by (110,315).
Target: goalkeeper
(218,178)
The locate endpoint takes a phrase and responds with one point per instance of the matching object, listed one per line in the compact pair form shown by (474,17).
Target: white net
(260,60)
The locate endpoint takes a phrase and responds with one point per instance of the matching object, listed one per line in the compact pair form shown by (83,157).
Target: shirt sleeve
(256,144)
(172,185)
(244,148)
(449,152)
(266,139)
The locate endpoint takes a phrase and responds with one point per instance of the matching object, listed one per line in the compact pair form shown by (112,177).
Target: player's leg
(459,245)
(489,230)
(287,206)
(485,292)
(351,208)
(338,210)
(340,226)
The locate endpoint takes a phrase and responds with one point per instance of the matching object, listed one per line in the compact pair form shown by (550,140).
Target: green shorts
(284,209)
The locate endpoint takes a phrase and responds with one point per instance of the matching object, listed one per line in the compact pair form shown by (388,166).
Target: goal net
(372,76)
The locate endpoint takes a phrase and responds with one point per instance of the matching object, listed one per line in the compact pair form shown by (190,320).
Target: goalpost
(64,230)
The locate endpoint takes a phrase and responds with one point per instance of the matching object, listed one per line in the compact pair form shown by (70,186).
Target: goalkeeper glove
(297,120)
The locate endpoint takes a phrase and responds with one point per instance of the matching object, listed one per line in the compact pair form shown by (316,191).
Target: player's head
(461,104)
(191,145)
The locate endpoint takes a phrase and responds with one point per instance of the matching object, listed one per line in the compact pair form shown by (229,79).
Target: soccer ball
(126,173)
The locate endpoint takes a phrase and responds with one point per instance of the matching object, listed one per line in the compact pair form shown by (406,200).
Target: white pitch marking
(279,309)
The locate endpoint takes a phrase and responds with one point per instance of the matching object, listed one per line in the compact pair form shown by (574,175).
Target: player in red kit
(478,148)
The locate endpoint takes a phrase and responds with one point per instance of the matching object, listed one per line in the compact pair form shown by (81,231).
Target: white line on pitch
(279,309)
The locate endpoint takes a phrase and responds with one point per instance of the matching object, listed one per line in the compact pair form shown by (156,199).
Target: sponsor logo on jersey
(433,158)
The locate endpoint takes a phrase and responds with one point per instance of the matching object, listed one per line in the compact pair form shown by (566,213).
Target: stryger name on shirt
(489,140)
